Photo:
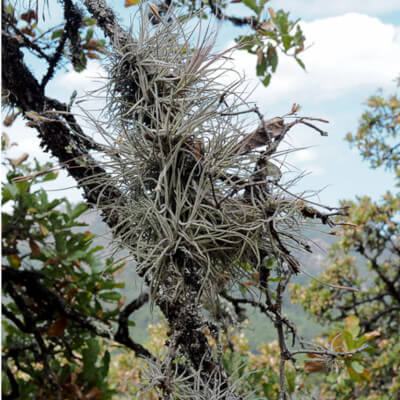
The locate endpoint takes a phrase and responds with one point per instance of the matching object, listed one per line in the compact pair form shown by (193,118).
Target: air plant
(200,189)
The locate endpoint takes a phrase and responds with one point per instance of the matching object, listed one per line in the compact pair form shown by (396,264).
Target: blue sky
(355,49)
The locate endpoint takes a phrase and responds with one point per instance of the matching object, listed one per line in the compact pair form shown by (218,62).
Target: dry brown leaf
(28,16)
(51,261)
(8,121)
(260,55)
(267,26)
(71,294)
(314,366)
(295,107)
(35,249)
(299,49)
(28,31)
(58,327)
(271,13)
(121,301)
(262,135)
(373,334)
(93,56)
(19,161)
(91,44)
(130,3)
(155,10)
(93,394)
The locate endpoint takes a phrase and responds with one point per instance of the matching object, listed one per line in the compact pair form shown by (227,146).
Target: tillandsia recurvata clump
(201,192)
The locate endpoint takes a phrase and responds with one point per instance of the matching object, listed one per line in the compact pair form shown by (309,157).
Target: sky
(353,49)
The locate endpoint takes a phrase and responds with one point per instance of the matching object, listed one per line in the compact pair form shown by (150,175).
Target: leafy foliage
(378,133)
(366,257)
(275,35)
(45,348)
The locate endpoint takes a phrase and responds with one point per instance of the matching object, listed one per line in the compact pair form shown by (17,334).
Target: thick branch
(65,142)
(106,20)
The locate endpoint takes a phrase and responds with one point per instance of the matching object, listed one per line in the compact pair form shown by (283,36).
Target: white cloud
(304,155)
(91,78)
(348,52)
(318,8)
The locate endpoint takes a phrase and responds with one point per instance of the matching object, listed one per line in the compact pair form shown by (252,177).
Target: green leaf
(105,364)
(76,255)
(267,80)
(9,192)
(110,296)
(354,376)
(50,176)
(57,34)
(348,338)
(43,200)
(252,4)
(281,20)
(107,285)
(61,243)
(298,38)
(262,66)
(269,263)
(300,63)
(89,21)
(23,187)
(94,249)
(273,58)
(78,210)
(80,64)
(90,355)
(6,386)
(357,367)
(287,41)
(89,34)
(352,325)
(277,279)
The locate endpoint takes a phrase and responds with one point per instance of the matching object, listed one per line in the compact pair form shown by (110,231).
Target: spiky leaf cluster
(175,150)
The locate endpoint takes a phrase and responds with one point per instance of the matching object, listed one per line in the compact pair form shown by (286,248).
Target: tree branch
(41,294)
